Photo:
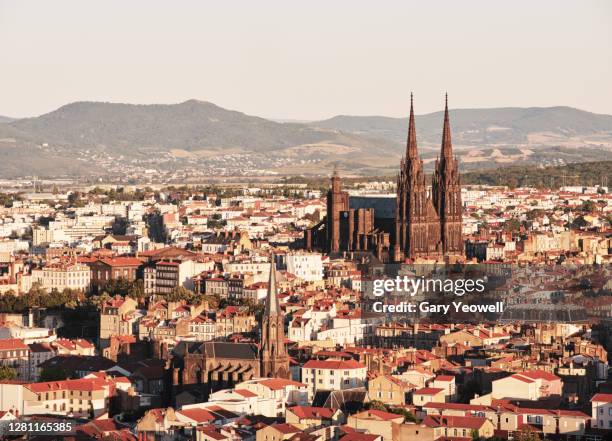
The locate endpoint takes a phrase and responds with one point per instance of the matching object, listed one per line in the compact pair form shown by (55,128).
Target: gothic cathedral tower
(337,201)
(446,192)
(417,226)
(273,356)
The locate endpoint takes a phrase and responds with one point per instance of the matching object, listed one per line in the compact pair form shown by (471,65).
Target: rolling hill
(191,126)
(484,126)
(78,136)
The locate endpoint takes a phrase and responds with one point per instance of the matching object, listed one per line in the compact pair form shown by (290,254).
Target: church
(421,221)
(195,369)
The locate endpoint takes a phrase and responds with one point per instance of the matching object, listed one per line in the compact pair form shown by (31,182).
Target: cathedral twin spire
(425,223)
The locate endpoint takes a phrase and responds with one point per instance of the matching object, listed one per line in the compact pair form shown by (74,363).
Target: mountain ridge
(194,132)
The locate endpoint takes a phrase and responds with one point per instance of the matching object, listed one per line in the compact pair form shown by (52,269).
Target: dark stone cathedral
(195,369)
(420,222)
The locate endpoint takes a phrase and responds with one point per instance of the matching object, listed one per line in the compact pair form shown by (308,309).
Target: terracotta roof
(358,436)
(428,391)
(333,364)
(377,415)
(444,378)
(279,383)
(602,398)
(285,428)
(312,412)
(83,384)
(539,375)
(198,414)
(454,421)
(245,393)
(122,261)
(11,344)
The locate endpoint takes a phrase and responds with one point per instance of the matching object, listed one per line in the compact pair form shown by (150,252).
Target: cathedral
(195,369)
(420,222)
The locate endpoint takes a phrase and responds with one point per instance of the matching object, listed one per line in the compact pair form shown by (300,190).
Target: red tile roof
(198,414)
(428,391)
(310,412)
(333,364)
(358,436)
(279,383)
(378,415)
(245,393)
(454,421)
(444,378)
(602,398)
(12,344)
(82,384)
(286,428)
(122,261)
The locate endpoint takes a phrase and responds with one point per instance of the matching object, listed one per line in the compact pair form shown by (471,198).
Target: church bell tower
(273,354)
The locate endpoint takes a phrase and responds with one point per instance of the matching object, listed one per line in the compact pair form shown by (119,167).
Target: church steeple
(272,306)
(411,144)
(274,361)
(447,146)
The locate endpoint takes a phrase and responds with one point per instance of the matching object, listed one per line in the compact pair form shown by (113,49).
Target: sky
(306,60)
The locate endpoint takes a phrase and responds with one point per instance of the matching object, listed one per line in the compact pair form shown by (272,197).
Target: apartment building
(116,318)
(104,270)
(333,375)
(85,397)
(62,276)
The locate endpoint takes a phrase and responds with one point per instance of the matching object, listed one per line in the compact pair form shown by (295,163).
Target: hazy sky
(306,59)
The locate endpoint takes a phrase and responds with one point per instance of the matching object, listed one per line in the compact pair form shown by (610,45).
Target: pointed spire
(447,146)
(411,145)
(272,306)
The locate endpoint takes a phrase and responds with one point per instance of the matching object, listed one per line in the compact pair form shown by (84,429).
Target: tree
(579,222)
(7,373)
(512,225)
(588,206)
(98,301)
(136,289)
(408,416)
(52,373)
(377,405)
(180,293)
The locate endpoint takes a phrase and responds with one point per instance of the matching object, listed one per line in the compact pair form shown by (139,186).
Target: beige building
(313,417)
(601,416)
(376,422)
(277,432)
(446,382)
(426,395)
(412,432)
(116,318)
(389,390)
(459,427)
(530,385)
(333,375)
(86,397)
(63,275)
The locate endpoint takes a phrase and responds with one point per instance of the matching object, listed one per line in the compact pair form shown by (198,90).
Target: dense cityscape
(236,312)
